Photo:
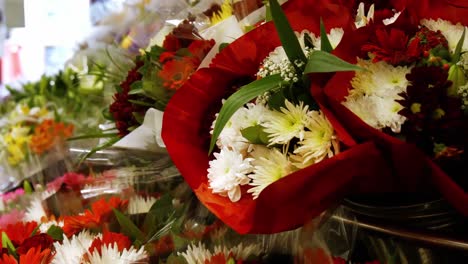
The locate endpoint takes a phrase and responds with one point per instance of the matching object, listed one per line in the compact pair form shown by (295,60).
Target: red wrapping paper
(292,200)
(413,170)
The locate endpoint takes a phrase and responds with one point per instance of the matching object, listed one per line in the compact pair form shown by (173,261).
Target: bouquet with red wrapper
(280,157)
(411,99)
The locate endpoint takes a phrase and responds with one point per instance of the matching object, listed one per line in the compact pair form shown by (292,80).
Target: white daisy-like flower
(255,114)
(287,124)
(361,18)
(364,107)
(110,254)
(71,251)
(387,112)
(451,32)
(380,79)
(44,227)
(196,254)
(140,205)
(35,211)
(319,141)
(270,165)
(227,172)
(231,136)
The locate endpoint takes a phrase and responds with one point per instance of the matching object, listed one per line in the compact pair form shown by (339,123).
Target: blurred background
(39,36)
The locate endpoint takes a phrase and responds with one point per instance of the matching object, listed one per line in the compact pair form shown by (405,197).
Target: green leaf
(104,145)
(55,232)
(286,34)
(276,100)
(222,46)
(128,227)
(457,76)
(140,103)
(241,97)
(255,134)
(458,49)
(308,41)
(95,135)
(27,187)
(6,243)
(325,44)
(136,88)
(159,212)
(268,16)
(321,61)
(107,114)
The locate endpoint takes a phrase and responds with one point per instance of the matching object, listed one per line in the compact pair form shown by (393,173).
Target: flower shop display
(320,173)
(128,215)
(410,99)
(38,118)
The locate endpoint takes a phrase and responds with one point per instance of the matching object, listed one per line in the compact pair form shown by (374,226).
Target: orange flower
(47,133)
(175,72)
(8,259)
(100,214)
(35,255)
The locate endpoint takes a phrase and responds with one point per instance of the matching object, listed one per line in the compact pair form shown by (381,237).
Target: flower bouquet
(282,158)
(411,99)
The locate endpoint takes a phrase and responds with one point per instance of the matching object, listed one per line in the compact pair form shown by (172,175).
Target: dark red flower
(390,46)
(171,43)
(122,109)
(40,241)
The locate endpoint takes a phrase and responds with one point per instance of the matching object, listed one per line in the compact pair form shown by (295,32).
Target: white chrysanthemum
(71,251)
(361,18)
(44,227)
(110,254)
(227,172)
(231,136)
(364,107)
(35,211)
(451,32)
(196,254)
(377,112)
(140,205)
(287,124)
(256,114)
(387,112)
(270,165)
(381,79)
(319,141)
